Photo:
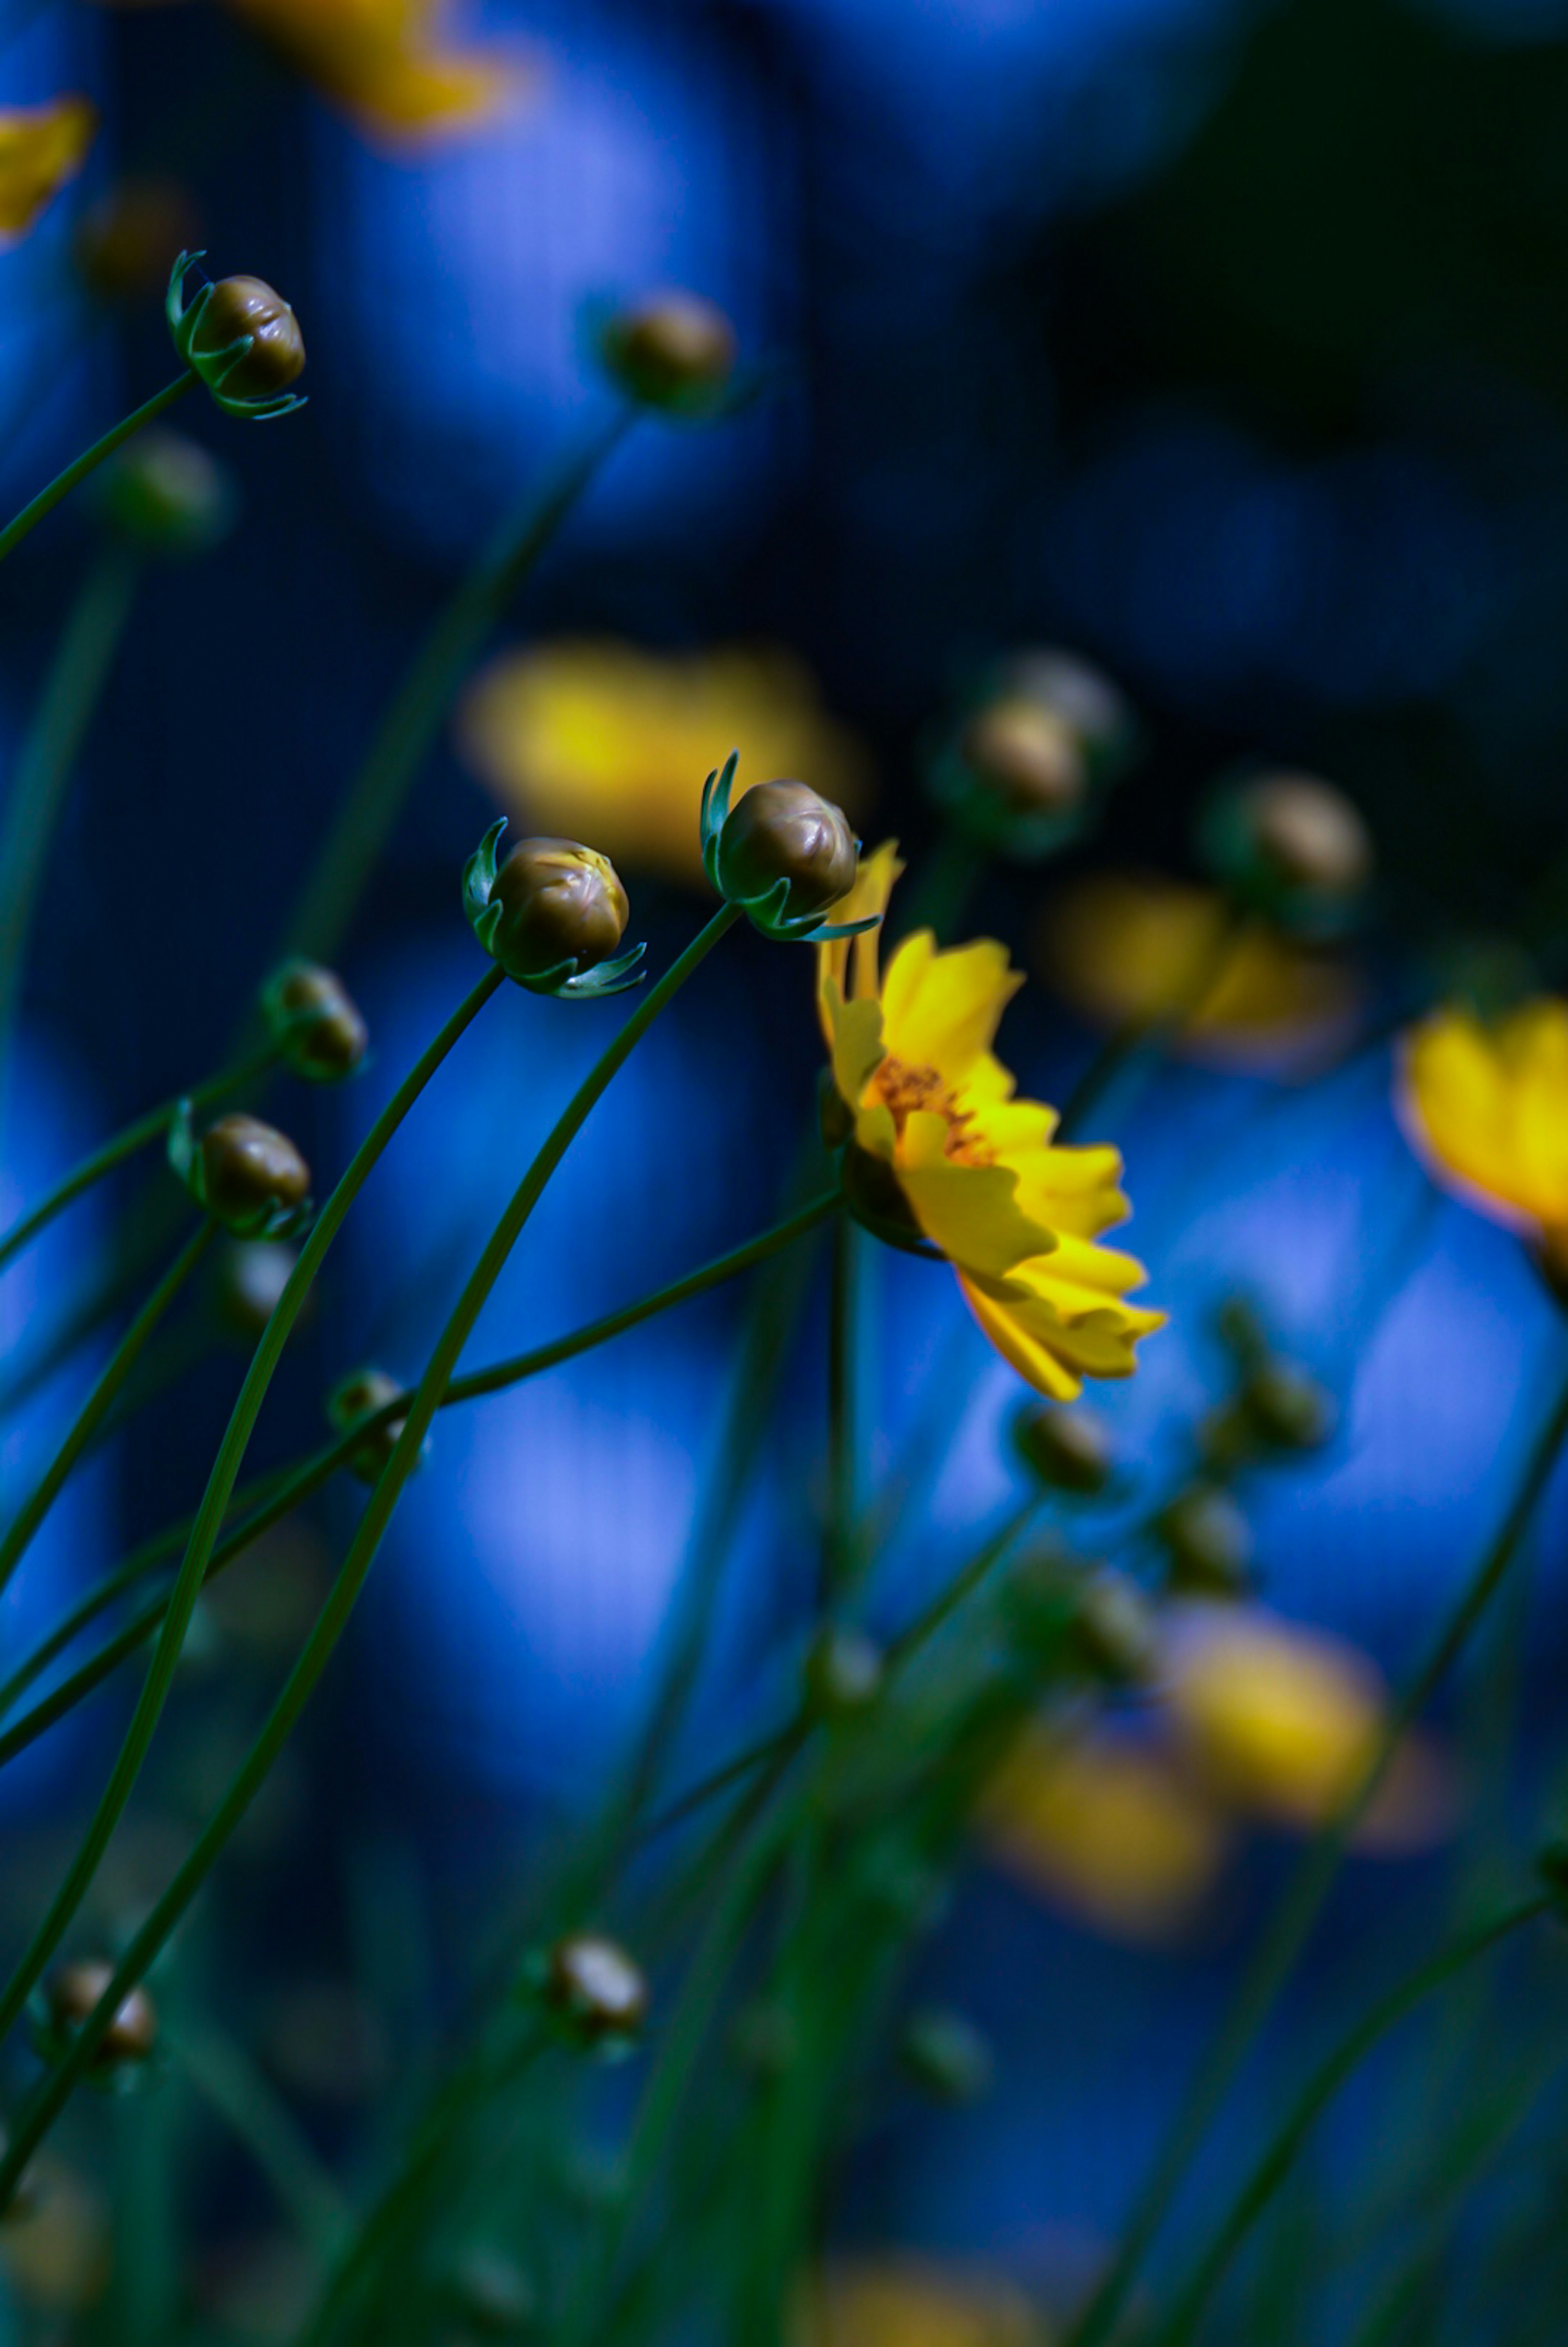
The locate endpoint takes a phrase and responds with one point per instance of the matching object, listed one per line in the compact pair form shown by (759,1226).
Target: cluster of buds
(594,1995)
(315,1022)
(166,494)
(673,352)
(1290,847)
(240,338)
(781,851)
(247,1175)
(365,1398)
(68,2000)
(1025,767)
(551,917)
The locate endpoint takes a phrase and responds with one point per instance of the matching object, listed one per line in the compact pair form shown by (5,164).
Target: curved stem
(55,2090)
(211,1513)
(32,513)
(1288,1930)
(1274,2164)
(359,831)
(152,1127)
(277,1495)
(19,1533)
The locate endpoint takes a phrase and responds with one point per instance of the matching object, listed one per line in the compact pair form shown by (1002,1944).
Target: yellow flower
(1107,1828)
(602,742)
(1283,1721)
(41,147)
(900,2301)
(1127,948)
(1486,1109)
(940,1142)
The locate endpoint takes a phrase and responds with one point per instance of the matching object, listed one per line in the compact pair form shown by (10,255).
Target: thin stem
(227,2079)
(209,1520)
(278,1494)
(1274,2163)
(947,1600)
(31,515)
(55,2088)
(23,1525)
(1275,1957)
(65,710)
(153,1126)
(353,846)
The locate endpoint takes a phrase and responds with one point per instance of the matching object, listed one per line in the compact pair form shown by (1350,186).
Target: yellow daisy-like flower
(939,1142)
(1127,949)
(1486,1109)
(41,148)
(602,742)
(900,2301)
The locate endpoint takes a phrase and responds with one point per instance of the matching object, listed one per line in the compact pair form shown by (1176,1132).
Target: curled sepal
(239,369)
(781,852)
(550,916)
(246,1174)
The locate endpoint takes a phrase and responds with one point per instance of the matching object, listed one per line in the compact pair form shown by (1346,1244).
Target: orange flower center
(905,1091)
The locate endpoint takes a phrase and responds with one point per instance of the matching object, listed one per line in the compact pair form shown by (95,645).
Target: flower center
(905,1091)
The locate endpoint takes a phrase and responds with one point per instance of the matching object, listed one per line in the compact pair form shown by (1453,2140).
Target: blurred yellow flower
(1486,1109)
(41,148)
(1283,1722)
(1129,948)
(941,1144)
(607,743)
(1106,1828)
(901,2300)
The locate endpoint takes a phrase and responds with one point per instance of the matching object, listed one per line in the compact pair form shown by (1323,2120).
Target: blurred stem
(210,1515)
(840,1543)
(153,1126)
(31,515)
(1129,1057)
(276,1495)
(1276,2161)
(54,2090)
(25,1523)
(67,707)
(1275,1957)
(229,2081)
(352,852)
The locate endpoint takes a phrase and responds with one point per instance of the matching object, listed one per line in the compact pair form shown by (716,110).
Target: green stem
(24,1524)
(1281,1945)
(353,849)
(66,711)
(225,2078)
(55,2090)
(209,1520)
(1276,2161)
(277,1495)
(840,1543)
(153,1126)
(31,515)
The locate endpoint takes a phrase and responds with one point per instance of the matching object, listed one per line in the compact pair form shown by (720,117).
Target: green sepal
(764,909)
(563,979)
(283,1026)
(214,367)
(186,1159)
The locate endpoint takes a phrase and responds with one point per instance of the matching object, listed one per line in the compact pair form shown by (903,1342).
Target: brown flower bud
(560,902)
(1307,834)
(1207,1542)
(1028,754)
(592,1983)
(787,831)
(317,1021)
(75,1990)
(1081,695)
(1115,1628)
(672,349)
(1069,1450)
(249,1170)
(361,1396)
(248,305)
(126,241)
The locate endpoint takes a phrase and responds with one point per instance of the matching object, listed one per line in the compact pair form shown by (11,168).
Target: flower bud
(944,2053)
(674,350)
(315,1022)
(360,1397)
(169,495)
(784,833)
(251,1275)
(1287,1409)
(1207,1542)
(247,1176)
(1290,845)
(1028,756)
(237,306)
(1115,1629)
(1081,696)
(594,1987)
(126,241)
(74,1992)
(843,1673)
(1069,1450)
(552,912)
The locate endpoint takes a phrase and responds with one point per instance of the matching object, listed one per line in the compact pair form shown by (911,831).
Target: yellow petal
(941,1010)
(41,147)
(851,963)
(969,1212)
(854,1041)
(1487,1110)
